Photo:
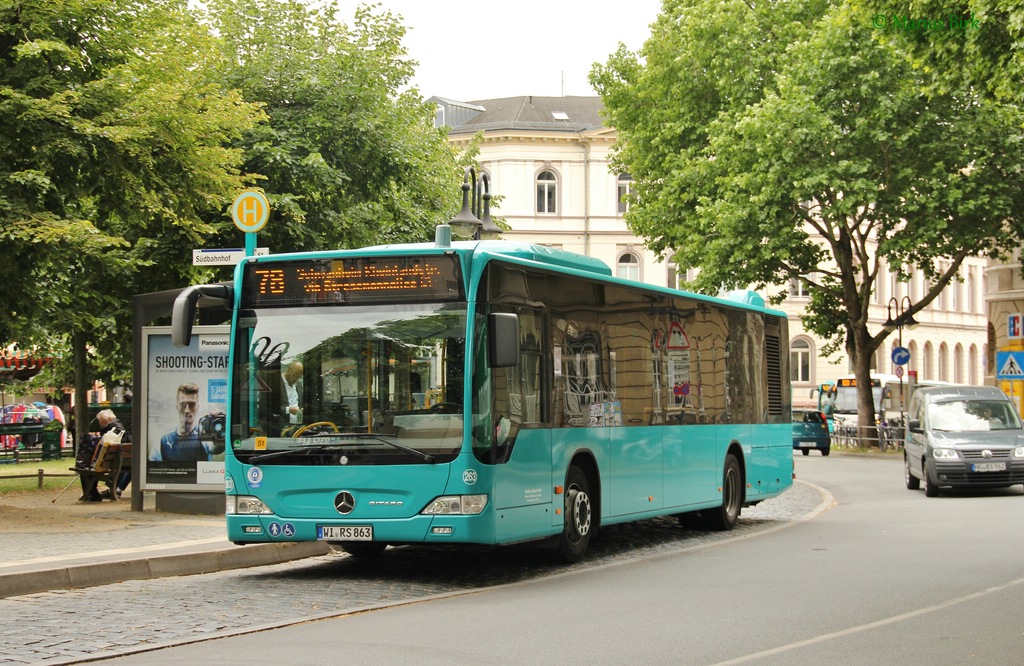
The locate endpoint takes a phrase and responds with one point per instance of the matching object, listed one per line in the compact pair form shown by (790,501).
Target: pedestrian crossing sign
(1010,365)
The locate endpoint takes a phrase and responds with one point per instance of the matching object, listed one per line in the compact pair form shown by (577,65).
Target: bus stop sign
(250,211)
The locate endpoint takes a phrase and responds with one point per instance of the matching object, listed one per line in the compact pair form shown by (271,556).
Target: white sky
(484,49)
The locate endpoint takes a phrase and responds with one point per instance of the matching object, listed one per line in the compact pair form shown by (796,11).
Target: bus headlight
(453,505)
(944,454)
(245,505)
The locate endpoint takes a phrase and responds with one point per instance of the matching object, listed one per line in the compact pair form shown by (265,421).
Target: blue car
(810,431)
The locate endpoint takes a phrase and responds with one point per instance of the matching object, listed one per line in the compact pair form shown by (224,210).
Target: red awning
(21,365)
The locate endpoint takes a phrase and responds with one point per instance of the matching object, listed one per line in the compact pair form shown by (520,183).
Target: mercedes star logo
(344,502)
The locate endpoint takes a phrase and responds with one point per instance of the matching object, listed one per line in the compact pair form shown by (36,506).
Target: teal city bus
(489,392)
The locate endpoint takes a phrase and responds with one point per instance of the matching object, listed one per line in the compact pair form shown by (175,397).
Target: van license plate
(989,467)
(344,532)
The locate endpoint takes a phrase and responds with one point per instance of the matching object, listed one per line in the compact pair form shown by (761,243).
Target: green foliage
(755,132)
(346,158)
(980,47)
(130,127)
(113,151)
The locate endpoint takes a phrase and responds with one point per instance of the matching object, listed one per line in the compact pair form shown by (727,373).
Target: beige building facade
(1005,300)
(548,160)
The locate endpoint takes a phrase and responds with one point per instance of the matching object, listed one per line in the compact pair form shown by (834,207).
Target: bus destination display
(351,281)
(849,382)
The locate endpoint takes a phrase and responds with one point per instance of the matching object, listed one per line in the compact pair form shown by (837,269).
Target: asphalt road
(887,576)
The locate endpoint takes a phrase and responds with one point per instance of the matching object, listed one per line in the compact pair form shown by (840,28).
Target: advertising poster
(185,400)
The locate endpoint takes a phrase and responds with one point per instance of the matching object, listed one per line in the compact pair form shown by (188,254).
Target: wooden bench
(108,462)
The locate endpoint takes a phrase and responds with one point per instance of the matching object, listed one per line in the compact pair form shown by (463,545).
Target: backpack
(86,448)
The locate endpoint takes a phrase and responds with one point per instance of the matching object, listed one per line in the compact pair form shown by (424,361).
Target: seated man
(112,429)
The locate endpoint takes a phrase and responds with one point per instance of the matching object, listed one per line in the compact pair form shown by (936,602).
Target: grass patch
(32,467)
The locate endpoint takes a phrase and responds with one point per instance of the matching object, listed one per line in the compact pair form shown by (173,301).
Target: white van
(962,436)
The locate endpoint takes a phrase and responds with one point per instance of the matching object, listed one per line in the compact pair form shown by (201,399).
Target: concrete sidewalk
(46,545)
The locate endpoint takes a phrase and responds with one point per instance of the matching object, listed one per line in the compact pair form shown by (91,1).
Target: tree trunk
(867,432)
(82,425)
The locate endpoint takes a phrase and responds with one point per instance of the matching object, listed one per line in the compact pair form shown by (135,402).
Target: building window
(625,188)
(628,267)
(798,288)
(958,364)
(547,191)
(972,296)
(800,360)
(926,365)
(972,361)
(672,279)
(943,362)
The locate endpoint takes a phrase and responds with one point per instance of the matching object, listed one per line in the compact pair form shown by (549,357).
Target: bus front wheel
(725,517)
(579,520)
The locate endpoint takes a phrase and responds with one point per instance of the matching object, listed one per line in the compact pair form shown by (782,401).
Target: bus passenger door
(635,482)
(692,469)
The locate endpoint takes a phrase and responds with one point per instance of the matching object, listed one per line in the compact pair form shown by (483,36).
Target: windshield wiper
(425,457)
(322,448)
(313,448)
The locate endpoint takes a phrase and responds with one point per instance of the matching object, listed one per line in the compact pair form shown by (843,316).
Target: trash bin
(51,445)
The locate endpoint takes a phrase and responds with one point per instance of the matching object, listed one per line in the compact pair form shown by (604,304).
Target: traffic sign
(226,257)
(1010,365)
(901,356)
(899,371)
(1014,330)
(250,211)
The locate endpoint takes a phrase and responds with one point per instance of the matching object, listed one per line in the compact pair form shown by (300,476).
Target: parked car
(962,436)
(810,431)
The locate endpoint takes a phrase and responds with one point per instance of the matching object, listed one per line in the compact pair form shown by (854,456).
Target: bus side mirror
(503,339)
(184,312)
(914,425)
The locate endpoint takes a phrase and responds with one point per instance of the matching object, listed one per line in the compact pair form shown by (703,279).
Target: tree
(114,150)
(976,40)
(347,158)
(778,141)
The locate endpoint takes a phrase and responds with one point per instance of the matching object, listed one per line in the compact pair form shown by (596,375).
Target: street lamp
(474,220)
(903,318)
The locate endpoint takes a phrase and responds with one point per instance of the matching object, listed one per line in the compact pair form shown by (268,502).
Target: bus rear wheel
(725,517)
(579,519)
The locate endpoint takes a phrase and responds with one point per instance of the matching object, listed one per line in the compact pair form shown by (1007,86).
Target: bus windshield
(846,399)
(349,385)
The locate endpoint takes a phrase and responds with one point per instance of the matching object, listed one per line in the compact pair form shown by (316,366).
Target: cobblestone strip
(70,626)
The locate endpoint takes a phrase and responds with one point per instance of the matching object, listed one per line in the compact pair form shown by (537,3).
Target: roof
(556,114)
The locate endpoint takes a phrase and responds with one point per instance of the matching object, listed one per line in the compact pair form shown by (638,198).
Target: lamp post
(474,220)
(902,318)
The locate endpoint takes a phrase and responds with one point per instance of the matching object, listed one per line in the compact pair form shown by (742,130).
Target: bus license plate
(344,532)
(989,467)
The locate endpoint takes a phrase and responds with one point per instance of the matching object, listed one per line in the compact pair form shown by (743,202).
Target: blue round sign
(901,356)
